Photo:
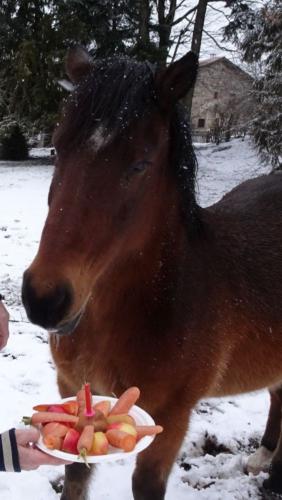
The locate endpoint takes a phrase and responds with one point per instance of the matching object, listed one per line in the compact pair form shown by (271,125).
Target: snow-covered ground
(222,432)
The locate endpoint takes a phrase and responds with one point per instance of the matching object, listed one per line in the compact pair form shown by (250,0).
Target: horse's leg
(274,482)
(77,476)
(154,464)
(261,459)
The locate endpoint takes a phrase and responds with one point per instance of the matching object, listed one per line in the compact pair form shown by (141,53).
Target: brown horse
(139,285)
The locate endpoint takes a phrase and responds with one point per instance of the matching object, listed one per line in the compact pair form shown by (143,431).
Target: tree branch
(177,21)
(217,43)
(171,12)
(179,5)
(179,38)
(218,10)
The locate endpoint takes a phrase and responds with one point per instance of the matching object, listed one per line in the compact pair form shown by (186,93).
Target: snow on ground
(222,433)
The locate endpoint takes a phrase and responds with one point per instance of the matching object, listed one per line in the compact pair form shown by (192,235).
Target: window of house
(201,123)
(216,95)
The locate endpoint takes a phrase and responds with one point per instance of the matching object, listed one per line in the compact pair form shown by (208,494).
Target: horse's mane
(116,92)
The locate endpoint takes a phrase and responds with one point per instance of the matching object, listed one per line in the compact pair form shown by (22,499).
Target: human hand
(30,457)
(4,325)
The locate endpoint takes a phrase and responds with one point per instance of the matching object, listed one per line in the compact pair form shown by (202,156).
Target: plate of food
(94,429)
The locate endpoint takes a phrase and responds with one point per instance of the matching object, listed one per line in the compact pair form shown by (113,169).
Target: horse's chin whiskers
(56,339)
(68,327)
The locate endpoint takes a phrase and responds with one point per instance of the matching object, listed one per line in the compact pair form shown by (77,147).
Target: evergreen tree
(35,35)
(258,34)
(29,63)
(13,144)
(34,38)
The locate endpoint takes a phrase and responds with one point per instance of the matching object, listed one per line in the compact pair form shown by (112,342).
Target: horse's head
(111,181)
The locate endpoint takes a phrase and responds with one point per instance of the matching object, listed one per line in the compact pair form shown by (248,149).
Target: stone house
(221,98)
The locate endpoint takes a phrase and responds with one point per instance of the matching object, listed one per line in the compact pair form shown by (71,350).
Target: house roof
(211,60)
(224,60)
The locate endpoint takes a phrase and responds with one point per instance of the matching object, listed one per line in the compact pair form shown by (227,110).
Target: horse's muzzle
(67,327)
(46,308)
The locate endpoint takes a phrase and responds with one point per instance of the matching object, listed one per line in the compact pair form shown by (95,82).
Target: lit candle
(89,412)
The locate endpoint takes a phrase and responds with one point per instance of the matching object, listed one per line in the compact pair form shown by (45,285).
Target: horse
(136,282)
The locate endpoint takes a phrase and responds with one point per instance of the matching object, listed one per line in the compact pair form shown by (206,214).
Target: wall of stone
(217,84)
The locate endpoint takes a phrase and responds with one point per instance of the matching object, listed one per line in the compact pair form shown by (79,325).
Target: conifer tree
(34,38)
(258,35)
(35,35)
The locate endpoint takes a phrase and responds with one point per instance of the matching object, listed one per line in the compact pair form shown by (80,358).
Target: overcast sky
(215,21)
(212,44)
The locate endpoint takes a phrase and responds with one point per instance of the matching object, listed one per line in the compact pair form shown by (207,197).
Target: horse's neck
(148,273)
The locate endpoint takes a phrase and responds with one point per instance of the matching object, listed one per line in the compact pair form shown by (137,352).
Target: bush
(13,144)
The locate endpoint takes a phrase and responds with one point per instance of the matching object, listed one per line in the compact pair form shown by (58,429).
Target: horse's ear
(78,63)
(176,80)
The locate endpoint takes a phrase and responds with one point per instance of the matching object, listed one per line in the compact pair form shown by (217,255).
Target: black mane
(117,91)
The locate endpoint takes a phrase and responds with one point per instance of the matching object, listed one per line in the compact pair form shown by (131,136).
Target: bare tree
(166,25)
(233,115)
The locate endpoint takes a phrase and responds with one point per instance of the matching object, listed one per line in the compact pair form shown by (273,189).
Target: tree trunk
(144,23)
(196,41)
(164,28)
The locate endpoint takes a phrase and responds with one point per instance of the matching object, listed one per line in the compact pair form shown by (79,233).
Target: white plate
(141,418)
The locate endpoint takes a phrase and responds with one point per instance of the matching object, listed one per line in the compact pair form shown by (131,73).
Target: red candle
(89,412)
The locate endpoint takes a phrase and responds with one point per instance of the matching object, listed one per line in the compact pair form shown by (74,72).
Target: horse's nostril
(47,309)
(60,296)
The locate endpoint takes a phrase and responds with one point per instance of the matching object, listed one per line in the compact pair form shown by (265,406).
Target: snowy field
(223,432)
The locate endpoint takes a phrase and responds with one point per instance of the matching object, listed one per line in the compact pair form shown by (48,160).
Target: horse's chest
(102,360)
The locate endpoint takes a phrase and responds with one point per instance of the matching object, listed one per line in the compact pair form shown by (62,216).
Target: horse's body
(181,301)
(231,279)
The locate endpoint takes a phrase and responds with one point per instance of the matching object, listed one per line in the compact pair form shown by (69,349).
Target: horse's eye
(139,166)
(136,168)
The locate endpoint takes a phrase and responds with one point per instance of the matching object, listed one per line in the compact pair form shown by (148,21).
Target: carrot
(55,407)
(82,419)
(42,417)
(80,399)
(41,407)
(53,442)
(71,407)
(123,417)
(148,430)
(121,439)
(126,401)
(67,407)
(85,441)
(55,429)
